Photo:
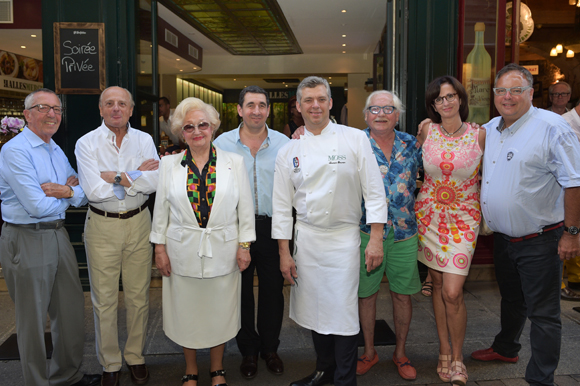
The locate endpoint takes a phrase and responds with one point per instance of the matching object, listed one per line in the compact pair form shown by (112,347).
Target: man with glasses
(37,185)
(559,97)
(118,170)
(259,146)
(399,157)
(530,197)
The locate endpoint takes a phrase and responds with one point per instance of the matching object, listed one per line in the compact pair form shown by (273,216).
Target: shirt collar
(519,123)
(108,133)
(237,134)
(327,129)
(35,140)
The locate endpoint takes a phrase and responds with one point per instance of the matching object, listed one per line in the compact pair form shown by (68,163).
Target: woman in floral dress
(448,214)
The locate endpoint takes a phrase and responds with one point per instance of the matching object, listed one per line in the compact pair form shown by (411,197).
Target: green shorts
(399,263)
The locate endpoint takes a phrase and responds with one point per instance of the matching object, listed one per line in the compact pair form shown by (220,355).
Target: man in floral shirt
(399,157)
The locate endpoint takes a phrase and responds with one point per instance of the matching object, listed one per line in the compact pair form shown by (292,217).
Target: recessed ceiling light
(22,46)
(142,72)
(329,82)
(343,11)
(195,68)
(234,80)
(283,82)
(330,77)
(344,52)
(32,36)
(150,45)
(181,70)
(286,85)
(344,44)
(178,59)
(343,36)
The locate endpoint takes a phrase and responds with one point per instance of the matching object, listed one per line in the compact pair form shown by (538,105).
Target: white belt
(204,249)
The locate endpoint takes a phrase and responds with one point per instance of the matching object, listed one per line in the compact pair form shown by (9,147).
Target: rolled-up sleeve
(373,189)
(282,198)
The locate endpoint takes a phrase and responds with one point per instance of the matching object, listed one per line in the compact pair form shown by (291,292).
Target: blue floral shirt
(399,176)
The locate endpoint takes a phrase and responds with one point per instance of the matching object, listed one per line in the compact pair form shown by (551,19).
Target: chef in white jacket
(324,176)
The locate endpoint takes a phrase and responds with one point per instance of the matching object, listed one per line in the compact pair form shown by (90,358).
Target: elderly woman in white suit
(203,224)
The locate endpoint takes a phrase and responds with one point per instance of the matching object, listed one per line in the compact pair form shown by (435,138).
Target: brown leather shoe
(249,366)
(139,374)
(110,379)
(568,294)
(274,363)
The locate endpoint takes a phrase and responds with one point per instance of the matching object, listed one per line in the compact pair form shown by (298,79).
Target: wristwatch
(572,230)
(72,192)
(245,246)
(118,178)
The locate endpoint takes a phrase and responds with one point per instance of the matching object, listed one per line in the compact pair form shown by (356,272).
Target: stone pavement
(166,362)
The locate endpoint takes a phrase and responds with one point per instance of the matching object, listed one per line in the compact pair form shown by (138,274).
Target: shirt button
(326,212)
(205,218)
(487,182)
(333,170)
(493,161)
(306,173)
(330,191)
(310,192)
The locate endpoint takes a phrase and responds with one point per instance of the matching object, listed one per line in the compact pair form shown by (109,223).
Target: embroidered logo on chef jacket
(296,163)
(336,159)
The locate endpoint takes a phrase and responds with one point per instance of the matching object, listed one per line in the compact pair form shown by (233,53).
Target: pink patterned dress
(447,208)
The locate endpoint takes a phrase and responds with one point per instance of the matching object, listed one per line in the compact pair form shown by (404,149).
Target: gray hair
(312,82)
(28,101)
(122,88)
(193,104)
(515,67)
(396,101)
(551,88)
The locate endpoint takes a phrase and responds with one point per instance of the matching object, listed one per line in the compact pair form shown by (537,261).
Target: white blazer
(211,251)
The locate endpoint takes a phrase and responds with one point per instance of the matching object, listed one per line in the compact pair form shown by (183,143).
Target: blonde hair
(194,104)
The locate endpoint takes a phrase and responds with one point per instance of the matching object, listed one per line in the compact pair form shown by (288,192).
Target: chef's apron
(327,252)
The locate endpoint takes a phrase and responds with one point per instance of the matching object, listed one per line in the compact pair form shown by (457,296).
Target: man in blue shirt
(530,197)
(399,157)
(37,185)
(259,146)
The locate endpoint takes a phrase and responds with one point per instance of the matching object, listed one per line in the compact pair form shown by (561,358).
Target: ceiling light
(178,59)
(283,82)
(195,68)
(572,2)
(142,72)
(344,44)
(559,49)
(286,85)
(578,4)
(329,82)
(570,54)
(181,70)
(553,52)
(234,80)
(343,36)
(330,77)
(343,11)
(22,46)
(344,52)
(32,36)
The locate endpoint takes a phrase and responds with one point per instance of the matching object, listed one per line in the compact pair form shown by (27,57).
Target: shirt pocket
(174,233)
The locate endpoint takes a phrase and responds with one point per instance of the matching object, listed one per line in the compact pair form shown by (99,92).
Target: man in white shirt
(559,97)
(117,171)
(324,176)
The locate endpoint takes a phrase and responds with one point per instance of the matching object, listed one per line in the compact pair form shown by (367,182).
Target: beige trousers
(116,248)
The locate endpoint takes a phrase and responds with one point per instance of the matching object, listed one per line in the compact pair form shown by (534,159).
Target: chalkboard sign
(79,58)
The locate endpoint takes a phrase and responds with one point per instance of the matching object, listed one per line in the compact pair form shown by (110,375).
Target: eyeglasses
(501,91)
(46,108)
(450,98)
(560,94)
(377,109)
(200,126)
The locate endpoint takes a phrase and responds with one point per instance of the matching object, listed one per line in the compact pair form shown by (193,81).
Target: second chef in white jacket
(324,176)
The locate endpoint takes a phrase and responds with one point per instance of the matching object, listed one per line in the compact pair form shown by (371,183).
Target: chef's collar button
(326,212)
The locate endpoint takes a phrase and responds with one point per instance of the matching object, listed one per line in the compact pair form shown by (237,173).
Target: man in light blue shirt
(259,146)
(37,185)
(530,197)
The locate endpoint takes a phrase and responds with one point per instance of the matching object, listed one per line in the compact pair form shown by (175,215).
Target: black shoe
(89,380)
(274,363)
(574,285)
(317,378)
(568,294)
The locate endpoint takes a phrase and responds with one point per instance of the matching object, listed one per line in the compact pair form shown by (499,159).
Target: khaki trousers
(117,247)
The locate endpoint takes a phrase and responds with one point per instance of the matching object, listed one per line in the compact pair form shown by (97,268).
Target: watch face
(573,230)
(117,179)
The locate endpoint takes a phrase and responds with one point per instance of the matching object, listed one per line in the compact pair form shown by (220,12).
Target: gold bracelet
(245,246)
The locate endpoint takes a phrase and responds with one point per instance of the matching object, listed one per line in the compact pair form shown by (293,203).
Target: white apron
(325,297)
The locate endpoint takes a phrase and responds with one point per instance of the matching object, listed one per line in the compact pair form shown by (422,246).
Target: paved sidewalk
(166,362)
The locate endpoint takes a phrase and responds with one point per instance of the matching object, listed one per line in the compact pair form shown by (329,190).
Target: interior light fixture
(330,77)
(343,11)
(181,70)
(570,54)
(572,2)
(344,52)
(553,52)
(22,46)
(234,79)
(578,4)
(343,36)
(178,59)
(344,44)
(32,36)
(559,49)
(329,82)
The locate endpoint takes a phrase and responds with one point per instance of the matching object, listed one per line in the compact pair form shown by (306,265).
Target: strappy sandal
(218,373)
(427,288)
(444,371)
(189,377)
(458,373)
